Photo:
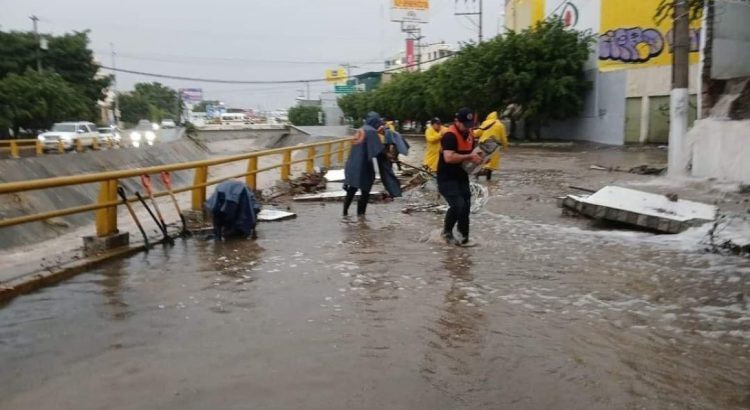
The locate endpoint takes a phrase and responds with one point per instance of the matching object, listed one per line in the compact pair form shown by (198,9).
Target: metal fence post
(106,218)
(286,165)
(340,154)
(199,193)
(252,166)
(310,159)
(14,153)
(327,153)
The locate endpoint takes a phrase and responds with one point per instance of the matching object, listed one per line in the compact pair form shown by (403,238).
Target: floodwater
(325,313)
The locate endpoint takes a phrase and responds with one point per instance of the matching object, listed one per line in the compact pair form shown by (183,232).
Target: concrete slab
(272,215)
(335,175)
(327,196)
(642,209)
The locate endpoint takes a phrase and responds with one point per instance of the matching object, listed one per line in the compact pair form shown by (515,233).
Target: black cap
(435,120)
(465,116)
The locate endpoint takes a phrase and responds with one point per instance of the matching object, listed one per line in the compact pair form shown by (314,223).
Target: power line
(174,58)
(251,82)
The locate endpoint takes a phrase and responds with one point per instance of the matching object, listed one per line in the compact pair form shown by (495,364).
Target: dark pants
(459,204)
(364,197)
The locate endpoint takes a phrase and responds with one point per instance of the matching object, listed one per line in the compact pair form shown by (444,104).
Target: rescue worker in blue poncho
(359,172)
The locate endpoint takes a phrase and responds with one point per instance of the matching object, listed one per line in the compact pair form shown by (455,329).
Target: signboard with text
(191,95)
(411,11)
(336,76)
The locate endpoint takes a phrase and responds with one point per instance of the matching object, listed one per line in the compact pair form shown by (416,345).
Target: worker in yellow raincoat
(432,136)
(492,127)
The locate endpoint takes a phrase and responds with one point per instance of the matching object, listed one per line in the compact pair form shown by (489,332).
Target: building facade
(629,67)
(427,56)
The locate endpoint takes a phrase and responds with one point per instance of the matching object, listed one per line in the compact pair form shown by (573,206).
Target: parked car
(68,133)
(143,133)
(168,124)
(109,133)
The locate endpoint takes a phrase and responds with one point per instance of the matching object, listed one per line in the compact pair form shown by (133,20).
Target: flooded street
(325,313)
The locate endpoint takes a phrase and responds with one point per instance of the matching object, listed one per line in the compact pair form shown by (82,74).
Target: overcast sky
(243,39)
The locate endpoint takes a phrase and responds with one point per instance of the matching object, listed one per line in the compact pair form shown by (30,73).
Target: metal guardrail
(106,205)
(15,146)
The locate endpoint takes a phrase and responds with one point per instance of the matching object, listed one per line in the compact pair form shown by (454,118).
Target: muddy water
(321,312)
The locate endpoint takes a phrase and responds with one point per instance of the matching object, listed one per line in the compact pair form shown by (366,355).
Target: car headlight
(117,136)
(41,138)
(150,136)
(66,137)
(155,126)
(135,136)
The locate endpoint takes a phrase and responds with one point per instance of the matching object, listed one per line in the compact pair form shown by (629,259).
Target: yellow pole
(14,149)
(199,193)
(39,148)
(340,154)
(95,144)
(110,144)
(310,159)
(60,147)
(79,145)
(286,166)
(252,166)
(106,218)
(327,157)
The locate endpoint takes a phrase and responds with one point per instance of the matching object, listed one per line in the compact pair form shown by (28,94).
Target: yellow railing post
(252,166)
(95,144)
(327,157)
(310,160)
(340,154)
(199,193)
(39,148)
(14,149)
(110,144)
(60,147)
(106,218)
(79,145)
(286,165)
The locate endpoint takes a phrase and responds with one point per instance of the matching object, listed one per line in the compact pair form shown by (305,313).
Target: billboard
(629,36)
(336,76)
(191,95)
(411,11)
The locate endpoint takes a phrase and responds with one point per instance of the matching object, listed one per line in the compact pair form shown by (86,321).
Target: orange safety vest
(465,145)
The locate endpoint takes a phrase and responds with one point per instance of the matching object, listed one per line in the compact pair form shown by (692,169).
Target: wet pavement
(320,312)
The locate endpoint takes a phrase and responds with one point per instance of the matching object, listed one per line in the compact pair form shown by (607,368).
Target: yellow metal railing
(107,202)
(14,147)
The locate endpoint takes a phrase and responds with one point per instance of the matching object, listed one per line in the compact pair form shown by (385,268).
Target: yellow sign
(336,76)
(412,4)
(631,38)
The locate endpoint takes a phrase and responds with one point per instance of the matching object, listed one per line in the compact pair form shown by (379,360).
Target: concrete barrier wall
(719,149)
(73,164)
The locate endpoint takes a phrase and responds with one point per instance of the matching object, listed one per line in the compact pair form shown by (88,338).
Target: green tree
(540,68)
(67,55)
(34,100)
(304,115)
(152,101)
(201,106)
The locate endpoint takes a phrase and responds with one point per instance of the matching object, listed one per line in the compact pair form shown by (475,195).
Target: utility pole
(679,99)
(35,20)
(478,13)
(115,105)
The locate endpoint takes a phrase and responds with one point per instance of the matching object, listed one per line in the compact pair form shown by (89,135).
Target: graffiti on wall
(631,45)
(629,36)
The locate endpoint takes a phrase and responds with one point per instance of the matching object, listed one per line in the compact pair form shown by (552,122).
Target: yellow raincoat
(492,127)
(432,150)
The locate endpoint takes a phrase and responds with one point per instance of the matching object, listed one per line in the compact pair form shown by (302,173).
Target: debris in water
(661,213)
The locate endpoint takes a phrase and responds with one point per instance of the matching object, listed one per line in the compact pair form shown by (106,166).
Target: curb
(32,281)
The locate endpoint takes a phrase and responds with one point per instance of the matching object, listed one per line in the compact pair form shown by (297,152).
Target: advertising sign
(412,11)
(191,95)
(410,60)
(336,76)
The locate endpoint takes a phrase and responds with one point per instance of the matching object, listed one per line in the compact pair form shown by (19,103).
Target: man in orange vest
(457,147)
